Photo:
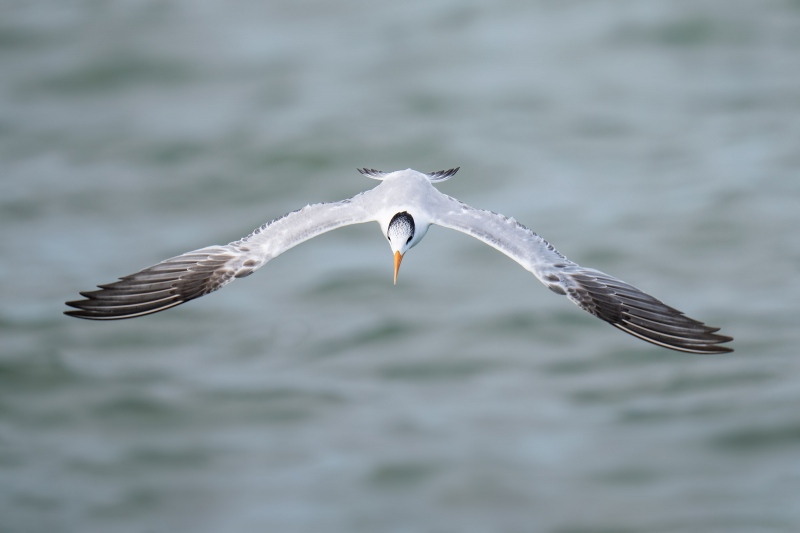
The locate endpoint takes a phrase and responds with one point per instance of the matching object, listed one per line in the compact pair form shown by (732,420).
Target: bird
(405,204)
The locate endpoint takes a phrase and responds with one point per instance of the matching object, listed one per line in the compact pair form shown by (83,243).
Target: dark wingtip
(442,175)
(643,316)
(162,286)
(100,307)
(699,342)
(372,173)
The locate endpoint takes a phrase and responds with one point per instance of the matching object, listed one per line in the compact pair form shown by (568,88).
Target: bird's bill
(398,258)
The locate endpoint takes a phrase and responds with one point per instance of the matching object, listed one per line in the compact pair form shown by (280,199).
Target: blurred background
(657,141)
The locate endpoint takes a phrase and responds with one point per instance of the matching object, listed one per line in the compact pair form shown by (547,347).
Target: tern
(405,204)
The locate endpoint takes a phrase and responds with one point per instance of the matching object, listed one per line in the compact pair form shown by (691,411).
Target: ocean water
(656,141)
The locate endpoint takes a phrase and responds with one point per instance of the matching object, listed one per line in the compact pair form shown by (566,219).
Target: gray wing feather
(372,173)
(442,175)
(199,272)
(606,297)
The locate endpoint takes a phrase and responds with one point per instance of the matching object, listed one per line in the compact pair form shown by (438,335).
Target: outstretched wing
(608,298)
(194,274)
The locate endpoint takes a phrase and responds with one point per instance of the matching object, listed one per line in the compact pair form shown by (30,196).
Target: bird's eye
(388,238)
(409,240)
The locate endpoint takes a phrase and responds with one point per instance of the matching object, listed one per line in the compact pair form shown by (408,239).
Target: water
(656,141)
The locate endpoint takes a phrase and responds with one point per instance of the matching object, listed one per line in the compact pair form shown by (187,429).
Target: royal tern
(405,204)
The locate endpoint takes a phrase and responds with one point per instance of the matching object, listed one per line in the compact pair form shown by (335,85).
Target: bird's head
(402,234)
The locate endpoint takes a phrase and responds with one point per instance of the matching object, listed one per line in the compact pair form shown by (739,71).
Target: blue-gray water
(657,141)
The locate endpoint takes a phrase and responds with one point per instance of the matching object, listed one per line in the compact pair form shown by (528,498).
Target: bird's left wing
(194,274)
(606,297)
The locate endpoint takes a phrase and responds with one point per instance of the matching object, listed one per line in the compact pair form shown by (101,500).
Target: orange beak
(398,258)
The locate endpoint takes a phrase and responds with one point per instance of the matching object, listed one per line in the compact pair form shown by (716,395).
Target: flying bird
(404,204)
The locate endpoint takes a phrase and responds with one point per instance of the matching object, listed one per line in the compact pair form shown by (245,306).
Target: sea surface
(657,141)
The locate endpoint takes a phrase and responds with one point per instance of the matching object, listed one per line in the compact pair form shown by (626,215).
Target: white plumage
(405,204)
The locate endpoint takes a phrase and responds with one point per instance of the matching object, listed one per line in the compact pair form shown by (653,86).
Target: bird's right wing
(606,297)
(199,272)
